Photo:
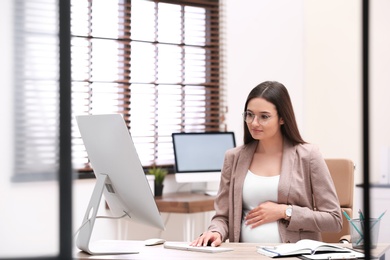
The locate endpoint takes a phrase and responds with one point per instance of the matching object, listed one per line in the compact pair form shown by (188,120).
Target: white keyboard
(187,247)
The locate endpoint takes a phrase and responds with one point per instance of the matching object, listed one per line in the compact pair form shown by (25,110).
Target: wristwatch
(288,212)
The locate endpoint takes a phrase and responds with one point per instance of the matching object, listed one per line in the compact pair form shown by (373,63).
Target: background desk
(240,251)
(187,203)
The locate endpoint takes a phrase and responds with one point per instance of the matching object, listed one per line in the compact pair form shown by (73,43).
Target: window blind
(36,91)
(155,62)
(158,63)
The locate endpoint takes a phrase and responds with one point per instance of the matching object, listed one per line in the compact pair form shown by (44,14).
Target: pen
(381,215)
(268,247)
(361,216)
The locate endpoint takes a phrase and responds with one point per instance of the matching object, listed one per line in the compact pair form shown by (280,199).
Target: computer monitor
(199,156)
(119,176)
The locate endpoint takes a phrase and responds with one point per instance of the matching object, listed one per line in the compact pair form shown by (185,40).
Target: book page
(330,256)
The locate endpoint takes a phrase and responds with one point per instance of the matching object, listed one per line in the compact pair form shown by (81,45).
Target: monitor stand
(206,188)
(102,247)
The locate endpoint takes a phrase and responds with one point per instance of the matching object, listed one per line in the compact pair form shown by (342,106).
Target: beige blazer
(304,181)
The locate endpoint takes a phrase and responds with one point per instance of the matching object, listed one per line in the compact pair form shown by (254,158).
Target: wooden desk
(187,203)
(240,251)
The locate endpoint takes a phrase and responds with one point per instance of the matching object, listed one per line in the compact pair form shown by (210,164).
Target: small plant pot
(158,189)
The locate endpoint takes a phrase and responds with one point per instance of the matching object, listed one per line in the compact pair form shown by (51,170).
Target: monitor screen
(119,177)
(201,152)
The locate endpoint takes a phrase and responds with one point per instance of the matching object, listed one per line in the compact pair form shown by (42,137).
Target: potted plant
(159,176)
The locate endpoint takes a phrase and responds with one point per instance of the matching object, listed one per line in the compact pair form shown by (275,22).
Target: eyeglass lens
(249,117)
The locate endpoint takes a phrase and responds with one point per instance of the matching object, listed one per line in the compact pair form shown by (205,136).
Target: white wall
(333,81)
(380,89)
(313,47)
(264,42)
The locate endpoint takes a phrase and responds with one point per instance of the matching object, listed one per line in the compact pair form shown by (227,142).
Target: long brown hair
(277,94)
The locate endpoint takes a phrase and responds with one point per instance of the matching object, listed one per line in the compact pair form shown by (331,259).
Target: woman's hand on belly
(265,213)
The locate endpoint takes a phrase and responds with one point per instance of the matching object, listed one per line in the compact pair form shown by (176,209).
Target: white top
(258,189)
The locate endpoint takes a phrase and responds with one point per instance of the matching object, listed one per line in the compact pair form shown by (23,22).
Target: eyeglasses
(249,117)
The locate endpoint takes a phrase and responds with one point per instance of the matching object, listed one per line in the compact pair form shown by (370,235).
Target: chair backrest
(342,172)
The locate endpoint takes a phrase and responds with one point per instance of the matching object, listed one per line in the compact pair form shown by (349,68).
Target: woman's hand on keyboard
(208,238)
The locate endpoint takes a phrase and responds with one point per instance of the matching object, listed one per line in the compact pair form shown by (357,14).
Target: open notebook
(187,247)
(310,249)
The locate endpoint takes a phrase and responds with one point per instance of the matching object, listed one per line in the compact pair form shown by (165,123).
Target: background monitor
(119,176)
(199,156)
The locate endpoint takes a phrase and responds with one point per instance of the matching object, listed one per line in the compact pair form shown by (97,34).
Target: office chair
(342,172)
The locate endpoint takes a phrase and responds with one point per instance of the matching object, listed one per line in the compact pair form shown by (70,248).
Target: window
(155,62)
(36,91)
(158,63)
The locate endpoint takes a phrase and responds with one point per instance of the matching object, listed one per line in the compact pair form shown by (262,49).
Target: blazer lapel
(286,174)
(243,162)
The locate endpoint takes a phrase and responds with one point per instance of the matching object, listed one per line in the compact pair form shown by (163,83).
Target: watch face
(288,212)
